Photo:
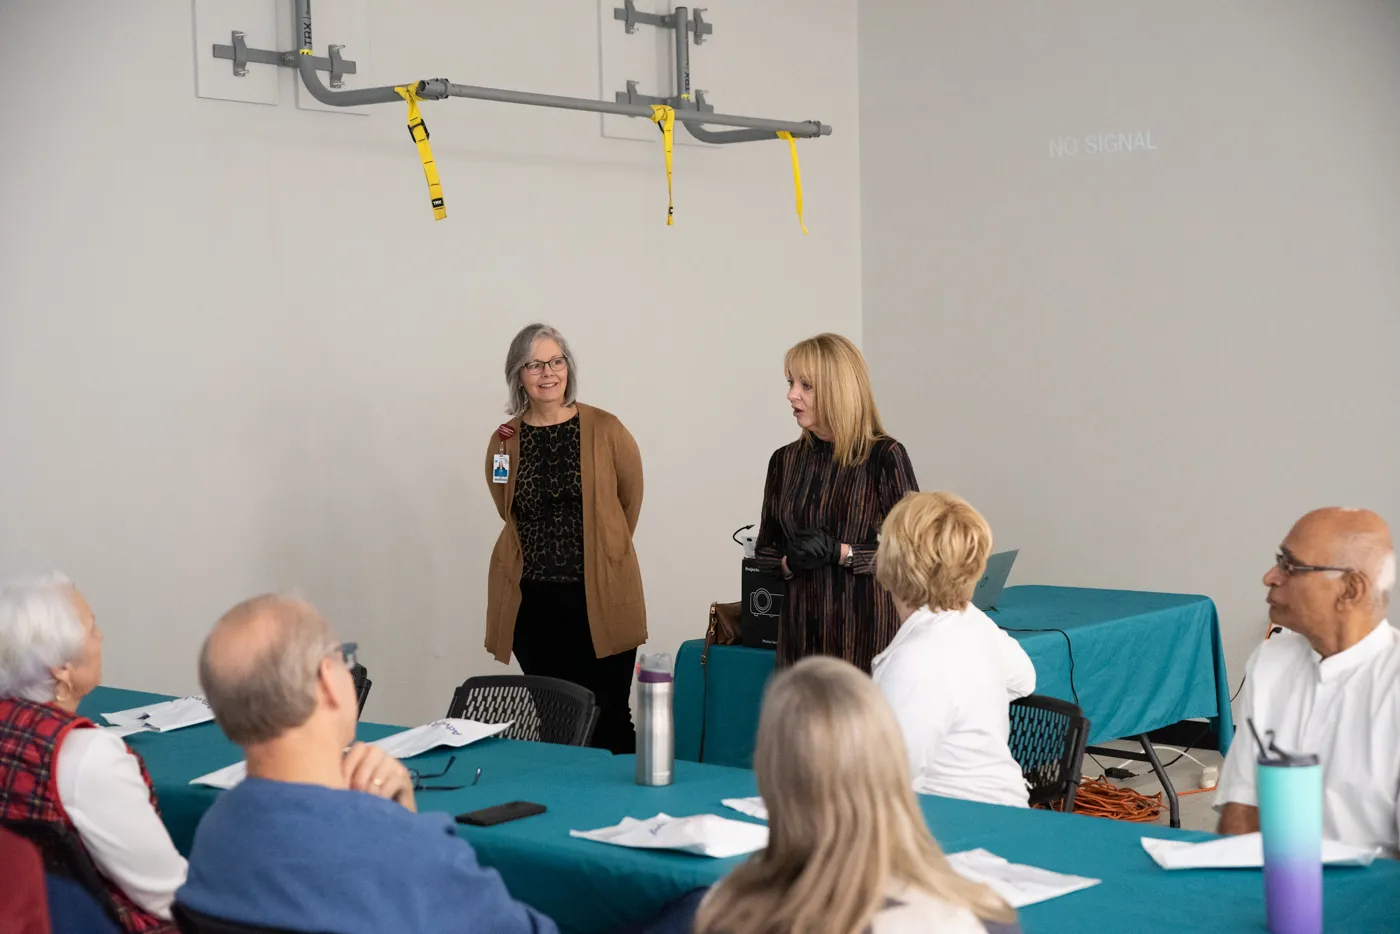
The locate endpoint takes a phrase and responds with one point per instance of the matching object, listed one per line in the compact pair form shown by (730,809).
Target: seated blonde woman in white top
(848,850)
(950,673)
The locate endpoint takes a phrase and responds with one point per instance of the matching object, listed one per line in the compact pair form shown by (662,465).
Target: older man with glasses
(1329,681)
(323,834)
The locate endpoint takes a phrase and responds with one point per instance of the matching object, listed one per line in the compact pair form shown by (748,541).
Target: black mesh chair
(1047,741)
(541,710)
(192,922)
(362,684)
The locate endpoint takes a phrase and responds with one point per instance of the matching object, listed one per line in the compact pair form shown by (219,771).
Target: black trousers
(552,640)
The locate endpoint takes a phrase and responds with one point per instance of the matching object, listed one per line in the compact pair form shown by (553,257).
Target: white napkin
(703,835)
(753,807)
(1245,851)
(1019,885)
(402,745)
(160,718)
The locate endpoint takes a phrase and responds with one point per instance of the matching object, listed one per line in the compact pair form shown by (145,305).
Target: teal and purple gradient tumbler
(1289,786)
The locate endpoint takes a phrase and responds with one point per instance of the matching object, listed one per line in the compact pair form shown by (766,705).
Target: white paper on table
(1245,851)
(1019,885)
(451,732)
(161,717)
(702,834)
(224,778)
(753,807)
(402,745)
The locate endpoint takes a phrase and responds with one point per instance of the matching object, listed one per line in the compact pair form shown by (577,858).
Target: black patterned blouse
(548,503)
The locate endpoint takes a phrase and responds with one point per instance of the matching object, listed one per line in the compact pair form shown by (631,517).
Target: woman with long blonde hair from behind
(848,850)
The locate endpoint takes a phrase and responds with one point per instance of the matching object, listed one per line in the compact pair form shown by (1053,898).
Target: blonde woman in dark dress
(825,499)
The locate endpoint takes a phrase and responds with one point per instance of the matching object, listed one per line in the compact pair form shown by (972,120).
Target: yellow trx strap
(418,130)
(796,175)
(665,118)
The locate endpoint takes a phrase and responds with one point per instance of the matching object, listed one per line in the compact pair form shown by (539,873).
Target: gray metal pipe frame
(684,99)
(439,88)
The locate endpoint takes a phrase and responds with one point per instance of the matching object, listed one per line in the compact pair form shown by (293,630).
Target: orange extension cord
(1098,797)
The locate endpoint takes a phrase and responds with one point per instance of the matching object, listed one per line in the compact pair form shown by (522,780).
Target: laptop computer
(993,580)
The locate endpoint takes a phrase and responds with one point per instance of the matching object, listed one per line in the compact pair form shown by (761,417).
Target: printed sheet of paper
(702,835)
(1019,885)
(406,744)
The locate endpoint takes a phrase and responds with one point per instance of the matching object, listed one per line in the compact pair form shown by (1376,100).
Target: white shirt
(101,788)
(1346,709)
(950,677)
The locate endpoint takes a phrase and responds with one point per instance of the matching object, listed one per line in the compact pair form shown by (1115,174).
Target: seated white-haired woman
(848,850)
(950,673)
(57,769)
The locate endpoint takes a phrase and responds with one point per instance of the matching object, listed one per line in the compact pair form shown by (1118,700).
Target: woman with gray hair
(564,591)
(59,771)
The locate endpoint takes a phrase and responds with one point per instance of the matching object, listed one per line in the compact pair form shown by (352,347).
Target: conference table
(592,888)
(1133,661)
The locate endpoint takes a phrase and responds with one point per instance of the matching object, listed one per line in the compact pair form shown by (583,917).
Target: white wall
(1142,367)
(236,353)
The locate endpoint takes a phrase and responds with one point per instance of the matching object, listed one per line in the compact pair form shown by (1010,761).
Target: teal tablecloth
(592,888)
(1141,661)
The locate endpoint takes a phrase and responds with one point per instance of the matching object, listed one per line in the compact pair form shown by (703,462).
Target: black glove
(812,549)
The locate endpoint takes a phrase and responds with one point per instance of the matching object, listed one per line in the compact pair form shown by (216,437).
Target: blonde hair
(845,830)
(933,549)
(844,403)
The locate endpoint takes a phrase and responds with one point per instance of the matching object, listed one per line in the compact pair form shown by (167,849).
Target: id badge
(500,468)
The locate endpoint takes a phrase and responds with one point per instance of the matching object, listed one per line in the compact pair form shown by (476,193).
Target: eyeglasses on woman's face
(555,364)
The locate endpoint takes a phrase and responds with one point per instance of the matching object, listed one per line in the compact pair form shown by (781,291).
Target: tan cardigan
(611,466)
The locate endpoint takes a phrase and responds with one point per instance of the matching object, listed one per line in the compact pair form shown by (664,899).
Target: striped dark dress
(834,610)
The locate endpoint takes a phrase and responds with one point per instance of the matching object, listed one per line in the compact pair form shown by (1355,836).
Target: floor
(1185,775)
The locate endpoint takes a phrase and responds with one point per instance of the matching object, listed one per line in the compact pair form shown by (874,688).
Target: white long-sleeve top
(101,788)
(950,677)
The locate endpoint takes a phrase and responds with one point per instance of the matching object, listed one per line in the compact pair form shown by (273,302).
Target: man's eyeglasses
(536,367)
(1289,567)
(347,651)
(418,777)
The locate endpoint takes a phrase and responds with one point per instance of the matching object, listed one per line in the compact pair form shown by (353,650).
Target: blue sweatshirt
(309,858)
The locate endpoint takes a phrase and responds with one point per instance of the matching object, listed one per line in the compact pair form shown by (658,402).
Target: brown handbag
(724,626)
(723,630)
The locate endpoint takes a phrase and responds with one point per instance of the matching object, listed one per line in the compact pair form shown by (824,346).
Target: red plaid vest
(30,734)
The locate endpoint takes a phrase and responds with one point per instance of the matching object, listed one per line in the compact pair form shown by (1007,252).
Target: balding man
(1329,682)
(322,835)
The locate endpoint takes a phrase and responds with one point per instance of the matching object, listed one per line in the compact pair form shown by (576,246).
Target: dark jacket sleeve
(772,541)
(894,478)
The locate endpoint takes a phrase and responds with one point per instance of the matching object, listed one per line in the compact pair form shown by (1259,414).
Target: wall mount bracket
(687,103)
(633,96)
(241,55)
(631,18)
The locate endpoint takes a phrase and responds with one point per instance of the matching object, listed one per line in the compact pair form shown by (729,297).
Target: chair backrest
(1048,736)
(190,921)
(362,685)
(65,857)
(24,905)
(542,710)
